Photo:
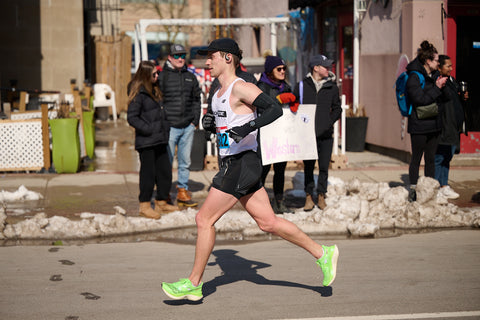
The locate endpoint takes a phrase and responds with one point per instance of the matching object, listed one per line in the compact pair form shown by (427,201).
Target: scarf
(264,78)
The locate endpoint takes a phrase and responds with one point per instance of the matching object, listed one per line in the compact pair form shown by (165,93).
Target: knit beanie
(271,62)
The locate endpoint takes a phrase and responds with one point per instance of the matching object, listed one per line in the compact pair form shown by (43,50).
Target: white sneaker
(448,193)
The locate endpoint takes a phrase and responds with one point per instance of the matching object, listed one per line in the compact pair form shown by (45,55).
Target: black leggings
(155,169)
(324,150)
(278,178)
(423,145)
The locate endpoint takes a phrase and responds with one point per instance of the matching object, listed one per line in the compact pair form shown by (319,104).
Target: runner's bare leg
(258,206)
(215,205)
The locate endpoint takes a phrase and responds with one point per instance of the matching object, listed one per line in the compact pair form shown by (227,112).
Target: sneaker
(448,192)
(412,195)
(183,289)
(309,204)
(328,264)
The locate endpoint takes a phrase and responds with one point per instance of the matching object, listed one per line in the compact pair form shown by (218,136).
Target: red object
(294,106)
(286,97)
(470,143)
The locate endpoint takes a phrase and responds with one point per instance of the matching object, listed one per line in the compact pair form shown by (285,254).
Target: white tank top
(226,119)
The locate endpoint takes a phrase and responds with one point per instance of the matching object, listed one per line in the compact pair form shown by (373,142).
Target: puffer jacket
(422,97)
(181,96)
(328,103)
(149,119)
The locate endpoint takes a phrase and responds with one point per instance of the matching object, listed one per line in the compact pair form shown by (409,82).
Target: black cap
(225,45)
(320,60)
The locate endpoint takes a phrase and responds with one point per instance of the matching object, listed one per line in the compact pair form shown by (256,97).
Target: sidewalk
(114,183)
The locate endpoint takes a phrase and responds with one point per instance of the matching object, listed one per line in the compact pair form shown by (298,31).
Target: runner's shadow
(235,268)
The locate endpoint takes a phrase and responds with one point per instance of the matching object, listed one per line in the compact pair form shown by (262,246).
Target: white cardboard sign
(290,137)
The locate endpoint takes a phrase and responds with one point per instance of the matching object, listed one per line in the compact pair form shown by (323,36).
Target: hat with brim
(177,49)
(225,45)
(320,60)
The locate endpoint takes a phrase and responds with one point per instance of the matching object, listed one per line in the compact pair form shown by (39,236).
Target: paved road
(404,277)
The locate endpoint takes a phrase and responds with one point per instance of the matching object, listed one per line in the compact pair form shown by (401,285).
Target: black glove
(208,122)
(240,132)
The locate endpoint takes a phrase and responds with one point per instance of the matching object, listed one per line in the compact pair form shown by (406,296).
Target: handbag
(428,111)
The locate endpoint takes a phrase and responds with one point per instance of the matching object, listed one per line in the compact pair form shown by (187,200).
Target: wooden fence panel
(113,55)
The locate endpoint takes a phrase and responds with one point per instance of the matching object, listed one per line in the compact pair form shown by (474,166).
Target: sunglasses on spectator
(281,69)
(178,56)
(155,74)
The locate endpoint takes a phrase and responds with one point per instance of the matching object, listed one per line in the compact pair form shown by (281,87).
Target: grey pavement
(415,276)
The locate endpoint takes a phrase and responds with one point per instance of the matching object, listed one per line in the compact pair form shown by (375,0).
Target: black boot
(282,208)
(412,195)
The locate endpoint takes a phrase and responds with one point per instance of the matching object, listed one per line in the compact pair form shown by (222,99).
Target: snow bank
(353,207)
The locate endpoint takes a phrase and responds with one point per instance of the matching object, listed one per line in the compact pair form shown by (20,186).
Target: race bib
(222,138)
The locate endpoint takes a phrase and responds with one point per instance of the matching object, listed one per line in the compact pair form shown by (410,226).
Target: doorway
(468,64)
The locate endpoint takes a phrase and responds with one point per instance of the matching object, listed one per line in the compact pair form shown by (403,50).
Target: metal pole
(273,38)
(344,122)
(356,54)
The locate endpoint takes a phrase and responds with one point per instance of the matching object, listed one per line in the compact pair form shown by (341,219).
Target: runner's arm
(269,109)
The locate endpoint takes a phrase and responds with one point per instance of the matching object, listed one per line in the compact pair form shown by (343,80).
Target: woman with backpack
(424,123)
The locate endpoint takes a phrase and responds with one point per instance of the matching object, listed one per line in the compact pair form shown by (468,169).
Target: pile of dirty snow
(353,207)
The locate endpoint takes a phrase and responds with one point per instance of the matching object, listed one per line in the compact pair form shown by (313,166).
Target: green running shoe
(183,289)
(328,264)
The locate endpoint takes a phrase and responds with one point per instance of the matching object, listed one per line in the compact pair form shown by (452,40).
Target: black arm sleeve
(268,108)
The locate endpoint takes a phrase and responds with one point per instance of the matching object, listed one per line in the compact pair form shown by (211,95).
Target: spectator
(453,122)
(272,82)
(146,114)
(319,87)
(181,98)
(424,131)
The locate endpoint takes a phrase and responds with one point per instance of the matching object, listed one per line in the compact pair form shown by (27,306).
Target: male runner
(239,179)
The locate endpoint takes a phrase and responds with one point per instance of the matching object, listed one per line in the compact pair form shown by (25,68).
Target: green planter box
(65,145)
(89,129)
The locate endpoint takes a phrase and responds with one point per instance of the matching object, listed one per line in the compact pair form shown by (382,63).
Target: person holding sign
(319,87)
(234,115)
(272,82)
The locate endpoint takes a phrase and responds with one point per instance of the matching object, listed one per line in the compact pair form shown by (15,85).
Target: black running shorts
(239,174)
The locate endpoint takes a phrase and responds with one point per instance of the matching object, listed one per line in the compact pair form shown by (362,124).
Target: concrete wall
(42,43)
(62,46)
(386,34)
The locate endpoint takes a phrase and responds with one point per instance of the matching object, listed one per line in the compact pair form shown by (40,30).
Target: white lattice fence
(21,145)
(32,115)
